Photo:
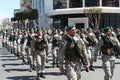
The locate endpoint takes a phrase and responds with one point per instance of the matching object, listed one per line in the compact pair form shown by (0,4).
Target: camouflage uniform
(55,47)
(23,53)
(28,46)
(40,44)
(92,40)
(73,51)
(19,37)
(107,44)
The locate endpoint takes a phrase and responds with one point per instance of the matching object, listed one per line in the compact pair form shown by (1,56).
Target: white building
(59,13)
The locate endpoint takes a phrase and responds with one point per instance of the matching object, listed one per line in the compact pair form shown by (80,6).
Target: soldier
(23,53)
(107,45)
(55,47)
(14,37)
(19,37)
(28,45)
(90,41)
(118,34)
(40,45)
(73,51)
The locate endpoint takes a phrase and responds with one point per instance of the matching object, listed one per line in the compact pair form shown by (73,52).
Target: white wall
(78,20)
(45,21)
(48,5)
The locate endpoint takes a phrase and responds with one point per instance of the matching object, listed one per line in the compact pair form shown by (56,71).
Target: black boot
(91,68)
(34,68)
(57,64)
(53,65)
(23,62)
(41,75)
(38,76)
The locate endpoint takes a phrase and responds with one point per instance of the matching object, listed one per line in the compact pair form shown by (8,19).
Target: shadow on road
(9,59)
(117,62)
(9,56)
(98,67)
(4,65)
(20,70)
(22,78)
(53,73)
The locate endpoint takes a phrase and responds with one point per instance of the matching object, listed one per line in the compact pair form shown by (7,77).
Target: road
(11,68)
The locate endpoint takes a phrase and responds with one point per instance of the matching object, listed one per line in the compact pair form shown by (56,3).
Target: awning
(80,10)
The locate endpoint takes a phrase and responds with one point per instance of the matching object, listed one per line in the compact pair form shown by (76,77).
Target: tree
(94,15)
(5,22)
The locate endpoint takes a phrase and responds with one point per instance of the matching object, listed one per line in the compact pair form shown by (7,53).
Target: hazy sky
(7,8)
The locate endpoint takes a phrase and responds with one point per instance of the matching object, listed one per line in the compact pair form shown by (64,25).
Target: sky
(7,8)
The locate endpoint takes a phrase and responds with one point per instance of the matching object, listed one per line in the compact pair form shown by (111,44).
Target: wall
(48,5)
(78,20)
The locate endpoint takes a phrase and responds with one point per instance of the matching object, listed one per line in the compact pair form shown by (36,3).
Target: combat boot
(91,68)
(53,65)
(41,75)
(38,76)
(34,67)
(23,62)
(57,64)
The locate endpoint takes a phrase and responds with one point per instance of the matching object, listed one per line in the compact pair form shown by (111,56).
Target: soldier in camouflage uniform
(19,37)
(23,52)
(28,46)
(40,45)
(107,44)
(118,37)
(90,41)
(73,51)
(118,34)
(56,38)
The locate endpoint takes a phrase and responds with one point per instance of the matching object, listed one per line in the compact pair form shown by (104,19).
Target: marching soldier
(118,37)
(55,46)
(40,45)
(23,52)
(90,41)
(28,46)
(118,34)
(73,51)
(107,44)
(19,37)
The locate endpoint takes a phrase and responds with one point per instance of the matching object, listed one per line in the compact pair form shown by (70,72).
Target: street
(11,68)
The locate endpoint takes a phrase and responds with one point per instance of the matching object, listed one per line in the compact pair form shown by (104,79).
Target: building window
(90,3)
(59,4)
(57,23)
(75,3)
(111,3)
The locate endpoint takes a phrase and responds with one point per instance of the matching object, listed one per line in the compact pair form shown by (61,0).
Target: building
(59,13)
(25,4)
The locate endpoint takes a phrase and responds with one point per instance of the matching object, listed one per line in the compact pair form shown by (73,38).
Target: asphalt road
(11,68)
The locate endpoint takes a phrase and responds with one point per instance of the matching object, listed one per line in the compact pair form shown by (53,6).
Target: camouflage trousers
(55,54)
(108,63)
(29,57)
(40,60)
(90,51)
(73,70)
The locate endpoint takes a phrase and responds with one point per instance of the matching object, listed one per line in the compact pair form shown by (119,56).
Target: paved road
(12,69)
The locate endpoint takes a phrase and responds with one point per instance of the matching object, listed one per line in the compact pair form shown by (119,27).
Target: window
(110,3)
(90,3)
(75,3)
(59,4)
